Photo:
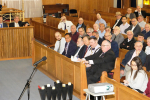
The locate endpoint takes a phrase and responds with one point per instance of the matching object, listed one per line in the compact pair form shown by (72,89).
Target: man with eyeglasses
(89,31)
(134,27)
(128,43)
(103,60)
(130,55)
(114,44)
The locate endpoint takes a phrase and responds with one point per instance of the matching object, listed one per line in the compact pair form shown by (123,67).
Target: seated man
(96,28)
(114,44)
(60,43)
(81,24)
(89,31)
(134,27)
(147,50)
(130,55)
(74,34)
(146,32)
(70,46)
(124,25)
(1,23)
(18,23)
(141,39)
(118,20)
(130,14)
(86,41)
(108,29)
(94,46)
(128,43)
(117,36)
(82,32)
(102,30)
(103,60)
(64,24)
(138,12)
(98,38)
(141,22)
(100,20)
(81,49)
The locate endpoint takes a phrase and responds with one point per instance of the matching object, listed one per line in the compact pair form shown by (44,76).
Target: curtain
(32,8)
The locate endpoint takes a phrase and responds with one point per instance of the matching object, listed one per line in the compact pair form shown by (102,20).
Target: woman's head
(136,63)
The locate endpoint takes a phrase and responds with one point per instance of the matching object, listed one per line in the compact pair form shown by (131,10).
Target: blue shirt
(1,25)
(79,25)
(101,34)
(146,35)
(101,21)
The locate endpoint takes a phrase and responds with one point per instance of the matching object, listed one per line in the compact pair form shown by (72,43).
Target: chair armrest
(50,45)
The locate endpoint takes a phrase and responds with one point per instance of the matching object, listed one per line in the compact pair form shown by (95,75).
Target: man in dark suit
(70,46)
(141,39)
(118,21)
(18,23)
(81,24)
(98,38)
(134,27)
(81,49)
(103,60)
(138,12)
(2,25)
(128,43)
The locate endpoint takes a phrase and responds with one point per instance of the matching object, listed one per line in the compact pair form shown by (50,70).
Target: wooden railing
(16,43)
(45,33)
(122,92)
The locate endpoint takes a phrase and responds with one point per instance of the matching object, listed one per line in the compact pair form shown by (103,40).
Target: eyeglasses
(104,45)
(107,36)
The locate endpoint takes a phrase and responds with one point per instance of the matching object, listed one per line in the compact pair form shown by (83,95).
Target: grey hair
(148,38)
(91,29)
(139,42)
(118,28)
(130,31)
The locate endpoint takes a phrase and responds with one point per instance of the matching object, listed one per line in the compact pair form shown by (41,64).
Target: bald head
(96,27)
(73,29)
(80,21)
(138,8)
(58,36)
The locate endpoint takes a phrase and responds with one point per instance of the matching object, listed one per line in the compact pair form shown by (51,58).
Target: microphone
(43,59)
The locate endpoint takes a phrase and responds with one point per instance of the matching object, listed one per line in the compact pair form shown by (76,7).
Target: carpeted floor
(13,76)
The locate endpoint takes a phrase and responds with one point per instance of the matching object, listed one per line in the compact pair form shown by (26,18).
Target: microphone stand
(27,85)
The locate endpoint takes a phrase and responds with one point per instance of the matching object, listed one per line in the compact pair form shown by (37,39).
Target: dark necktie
(93,48)
(65,26)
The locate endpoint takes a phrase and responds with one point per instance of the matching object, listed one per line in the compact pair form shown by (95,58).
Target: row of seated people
(16,23)
(98,59)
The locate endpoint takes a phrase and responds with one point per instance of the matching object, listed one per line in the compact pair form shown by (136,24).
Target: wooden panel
(16,42)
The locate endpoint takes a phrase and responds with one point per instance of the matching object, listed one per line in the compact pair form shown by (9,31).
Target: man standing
(117,36)
(74,33)
(70,46)
(134,27)
(100,20)
(81,49)
(60,43)
(81,24)
(64,24)
(103,60)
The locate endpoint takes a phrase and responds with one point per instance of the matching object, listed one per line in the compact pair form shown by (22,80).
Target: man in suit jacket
(134,27)
(1,23)
(81,24)
(138,12)
(98,38)
(128,43)
(103,60)
(18,23)
(131,54)
(81,49)
(89,31)
(117,36)
(82,32)
(118,21)
(130,14)
(70,46)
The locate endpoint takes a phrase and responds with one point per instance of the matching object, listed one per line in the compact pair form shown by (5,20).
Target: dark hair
(81,28)
(68,34)
(138,62)
(95,32)
(124,16)
(93,37)
(99,14)
(140,34)
(88,37)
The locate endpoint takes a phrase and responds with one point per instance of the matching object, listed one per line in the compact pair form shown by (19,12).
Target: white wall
(115,3)
(140,3)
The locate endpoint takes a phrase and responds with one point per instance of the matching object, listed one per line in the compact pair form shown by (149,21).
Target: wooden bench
(16,43)
(122,92)
(46,33)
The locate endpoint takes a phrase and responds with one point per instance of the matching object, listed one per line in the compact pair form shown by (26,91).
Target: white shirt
(17,25)
(78,51)
(134,55)
(140,82)
(62,46)
(133,28)
(147,50)
(142,24)
(123,27)
(61,25)
(91,52)
(116,23)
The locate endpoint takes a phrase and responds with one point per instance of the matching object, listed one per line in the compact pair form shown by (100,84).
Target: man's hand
(126,82)
(87,65)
